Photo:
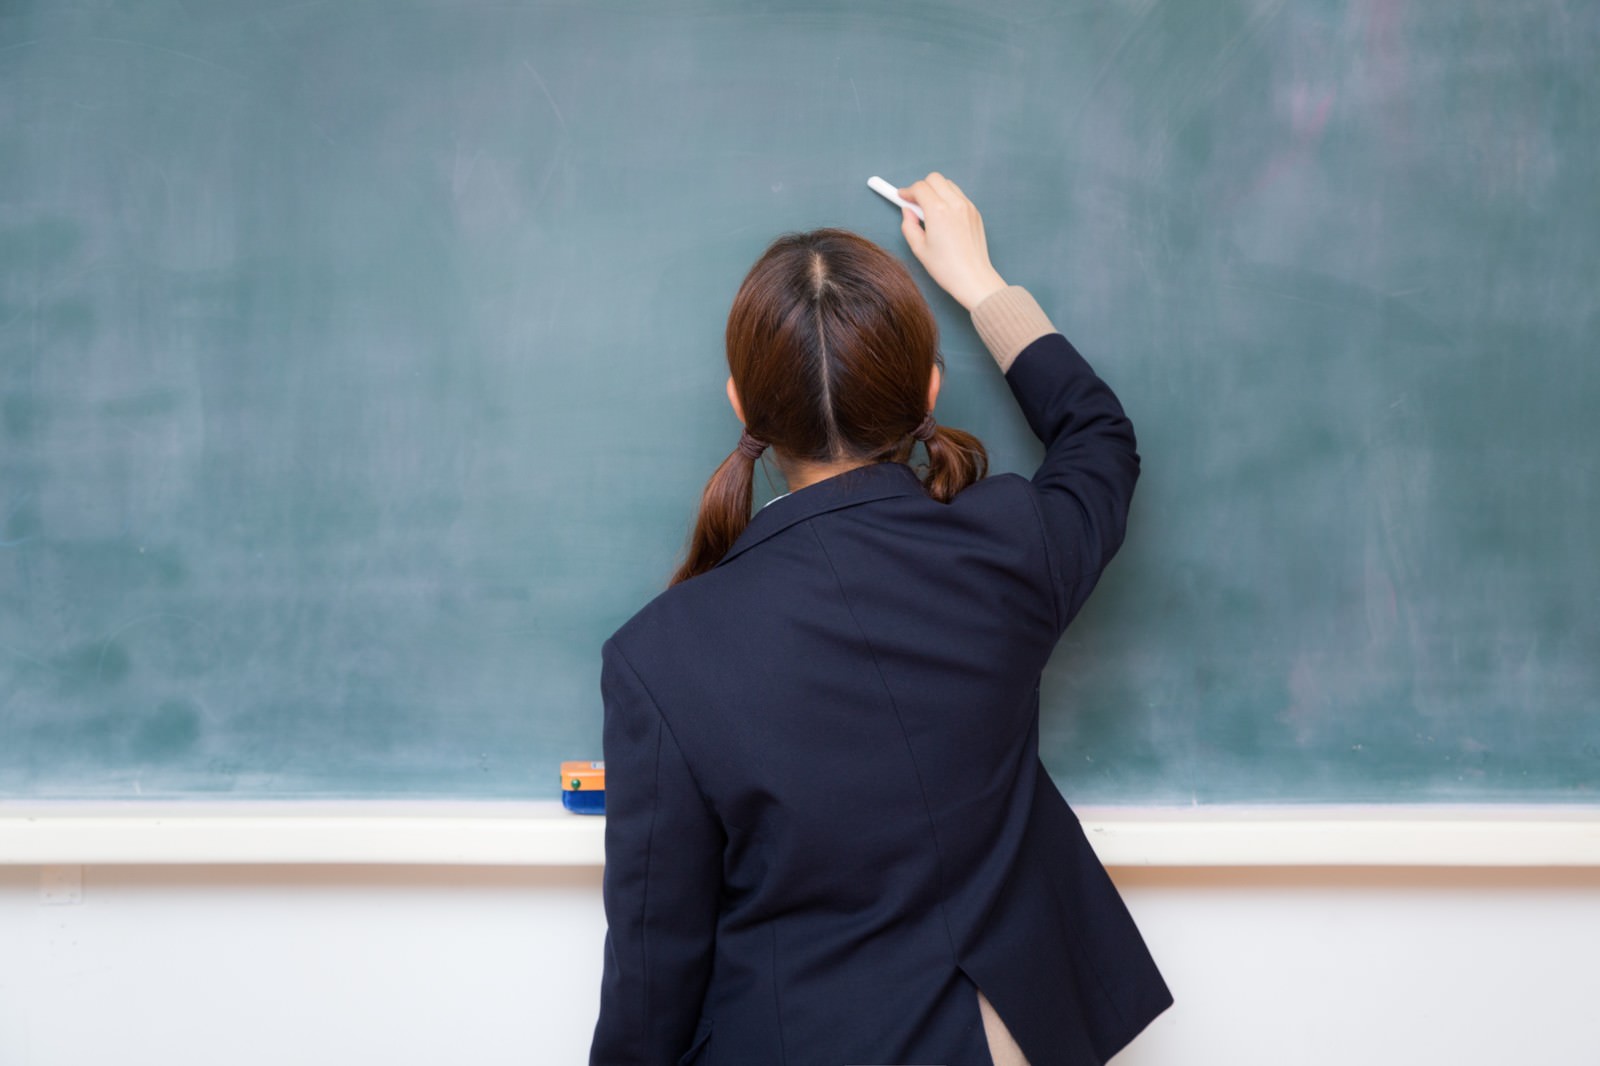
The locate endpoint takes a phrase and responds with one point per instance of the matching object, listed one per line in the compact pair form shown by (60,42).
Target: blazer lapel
(876,481)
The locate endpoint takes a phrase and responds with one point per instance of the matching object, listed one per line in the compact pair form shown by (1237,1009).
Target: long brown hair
(831,347)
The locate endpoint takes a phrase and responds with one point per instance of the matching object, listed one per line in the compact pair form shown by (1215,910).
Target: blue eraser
(589,802)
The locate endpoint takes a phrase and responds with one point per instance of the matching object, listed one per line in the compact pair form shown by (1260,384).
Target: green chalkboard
(360,364)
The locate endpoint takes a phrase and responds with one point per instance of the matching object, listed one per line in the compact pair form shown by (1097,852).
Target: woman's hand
(950,244)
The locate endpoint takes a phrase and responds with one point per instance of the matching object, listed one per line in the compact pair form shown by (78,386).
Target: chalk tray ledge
(541,833)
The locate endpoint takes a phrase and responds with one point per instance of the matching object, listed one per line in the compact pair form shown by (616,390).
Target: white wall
(354,965)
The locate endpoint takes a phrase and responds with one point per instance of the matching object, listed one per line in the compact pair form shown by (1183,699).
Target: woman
(829,838)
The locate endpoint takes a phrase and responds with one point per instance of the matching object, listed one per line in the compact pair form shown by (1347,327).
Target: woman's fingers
(911,229)
(945,187)
(933,192)
(950,243)
(921,194)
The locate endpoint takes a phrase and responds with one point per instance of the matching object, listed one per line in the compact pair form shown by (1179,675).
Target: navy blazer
(827,823)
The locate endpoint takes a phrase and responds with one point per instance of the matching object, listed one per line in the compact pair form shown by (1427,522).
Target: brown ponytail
(956,459)
(724,512)
(831,348)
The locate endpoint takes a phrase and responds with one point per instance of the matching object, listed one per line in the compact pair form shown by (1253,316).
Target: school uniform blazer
(827,823)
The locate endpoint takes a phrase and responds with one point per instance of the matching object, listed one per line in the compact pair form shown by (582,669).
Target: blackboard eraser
(583,786)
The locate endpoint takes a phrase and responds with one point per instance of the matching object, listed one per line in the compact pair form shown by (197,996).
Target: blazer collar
(875,481)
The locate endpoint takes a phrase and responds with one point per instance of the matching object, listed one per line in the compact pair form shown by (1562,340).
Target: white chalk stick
(890,193)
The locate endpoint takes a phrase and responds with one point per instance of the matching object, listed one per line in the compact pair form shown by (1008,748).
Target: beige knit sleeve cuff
(1008,321)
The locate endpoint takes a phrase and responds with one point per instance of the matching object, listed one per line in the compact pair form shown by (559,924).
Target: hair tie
(925,431)
(749,446)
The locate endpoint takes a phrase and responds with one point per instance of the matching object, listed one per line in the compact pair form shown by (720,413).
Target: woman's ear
(733,398)
(934,381)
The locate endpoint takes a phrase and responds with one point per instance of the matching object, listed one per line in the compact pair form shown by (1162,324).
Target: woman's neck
(800,474)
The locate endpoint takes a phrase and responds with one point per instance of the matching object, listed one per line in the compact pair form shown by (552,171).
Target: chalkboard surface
(360,365)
